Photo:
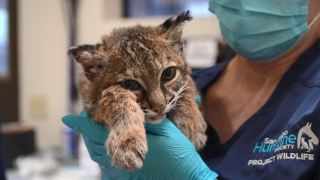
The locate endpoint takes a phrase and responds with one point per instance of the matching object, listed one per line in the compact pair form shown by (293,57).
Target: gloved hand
(170,156)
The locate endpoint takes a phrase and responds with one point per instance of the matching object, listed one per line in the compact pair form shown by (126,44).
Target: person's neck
(261,74)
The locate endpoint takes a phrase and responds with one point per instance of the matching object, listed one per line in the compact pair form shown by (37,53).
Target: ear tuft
(172,22)
(173,28)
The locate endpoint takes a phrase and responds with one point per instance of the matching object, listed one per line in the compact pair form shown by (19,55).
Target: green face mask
(262,30)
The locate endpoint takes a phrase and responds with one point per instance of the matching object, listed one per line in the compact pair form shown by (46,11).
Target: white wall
(43,66)
(43,63)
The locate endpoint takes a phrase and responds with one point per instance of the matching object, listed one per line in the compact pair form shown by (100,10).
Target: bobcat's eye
(130,84)
(168,74)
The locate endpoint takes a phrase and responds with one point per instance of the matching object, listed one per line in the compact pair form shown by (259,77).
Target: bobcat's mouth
(155,119)
(159,116)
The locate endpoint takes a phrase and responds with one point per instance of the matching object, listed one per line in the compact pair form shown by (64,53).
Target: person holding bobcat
(262,107)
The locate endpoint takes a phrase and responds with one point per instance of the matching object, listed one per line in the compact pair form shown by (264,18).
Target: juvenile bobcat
(134,75)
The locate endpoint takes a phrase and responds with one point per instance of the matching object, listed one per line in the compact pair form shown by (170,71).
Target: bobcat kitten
(134,75)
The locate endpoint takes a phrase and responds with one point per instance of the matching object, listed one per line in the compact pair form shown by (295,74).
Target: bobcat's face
(145,60)
(157,80)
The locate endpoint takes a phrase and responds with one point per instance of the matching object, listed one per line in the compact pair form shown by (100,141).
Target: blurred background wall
(43,67)
(95,19)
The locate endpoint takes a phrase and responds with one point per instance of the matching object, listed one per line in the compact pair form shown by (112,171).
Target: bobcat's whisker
(182,89)
(177,95)
(172,107)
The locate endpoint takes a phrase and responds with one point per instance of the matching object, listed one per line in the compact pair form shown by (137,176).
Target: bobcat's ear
(173,27)
(89,58)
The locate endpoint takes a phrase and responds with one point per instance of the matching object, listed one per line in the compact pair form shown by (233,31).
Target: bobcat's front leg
(120,113)
(188,118)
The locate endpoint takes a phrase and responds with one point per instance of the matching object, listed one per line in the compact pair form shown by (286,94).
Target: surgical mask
(262,30)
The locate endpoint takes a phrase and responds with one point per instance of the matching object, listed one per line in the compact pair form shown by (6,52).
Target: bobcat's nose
(159,109)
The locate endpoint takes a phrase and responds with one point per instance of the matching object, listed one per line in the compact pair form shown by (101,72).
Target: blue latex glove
(170,156)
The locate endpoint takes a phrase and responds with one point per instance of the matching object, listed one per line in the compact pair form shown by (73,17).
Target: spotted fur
(141,54)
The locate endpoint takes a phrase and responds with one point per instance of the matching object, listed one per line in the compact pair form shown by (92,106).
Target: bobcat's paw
(128,152)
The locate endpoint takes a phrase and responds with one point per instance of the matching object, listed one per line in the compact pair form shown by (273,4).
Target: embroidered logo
(306,138)
(283,146)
